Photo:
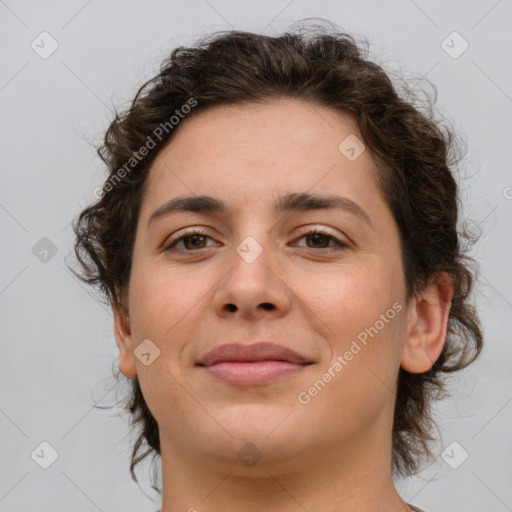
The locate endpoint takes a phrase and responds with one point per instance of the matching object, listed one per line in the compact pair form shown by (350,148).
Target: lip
(252,364)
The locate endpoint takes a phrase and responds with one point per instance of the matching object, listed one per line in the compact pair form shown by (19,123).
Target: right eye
(191,241)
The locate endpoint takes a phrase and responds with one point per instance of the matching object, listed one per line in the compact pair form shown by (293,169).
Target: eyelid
(183,233)
(313,229)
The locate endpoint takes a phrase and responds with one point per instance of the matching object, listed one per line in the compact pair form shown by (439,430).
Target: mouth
(255,364)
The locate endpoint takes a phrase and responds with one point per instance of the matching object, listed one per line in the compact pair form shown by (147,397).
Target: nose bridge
(254,244)
(252,285)
(252,261)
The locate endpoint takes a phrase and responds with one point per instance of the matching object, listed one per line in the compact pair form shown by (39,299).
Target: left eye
(321,240)
(196,240)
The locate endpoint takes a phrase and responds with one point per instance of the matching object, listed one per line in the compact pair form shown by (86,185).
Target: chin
(251,419)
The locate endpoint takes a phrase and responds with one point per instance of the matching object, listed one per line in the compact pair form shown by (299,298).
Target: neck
(355,478)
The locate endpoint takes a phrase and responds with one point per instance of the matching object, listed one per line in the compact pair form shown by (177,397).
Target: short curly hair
(416,156)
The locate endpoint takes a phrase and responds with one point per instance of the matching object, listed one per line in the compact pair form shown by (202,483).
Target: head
(271,126)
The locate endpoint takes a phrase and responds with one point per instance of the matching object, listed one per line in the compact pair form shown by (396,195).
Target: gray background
(57,339)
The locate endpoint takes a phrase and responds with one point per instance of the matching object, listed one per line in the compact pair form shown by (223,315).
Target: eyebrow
(291,202)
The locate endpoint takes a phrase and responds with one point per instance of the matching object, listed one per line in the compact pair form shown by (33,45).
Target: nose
(252,289)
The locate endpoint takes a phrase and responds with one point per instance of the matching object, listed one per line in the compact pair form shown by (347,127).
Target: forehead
(256,151)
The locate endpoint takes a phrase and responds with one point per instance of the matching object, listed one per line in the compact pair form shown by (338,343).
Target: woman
(278,239)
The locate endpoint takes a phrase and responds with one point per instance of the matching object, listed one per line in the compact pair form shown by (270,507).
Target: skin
(333,453)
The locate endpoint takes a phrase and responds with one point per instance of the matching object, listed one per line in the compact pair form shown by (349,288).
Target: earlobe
(428,325)
(122,332)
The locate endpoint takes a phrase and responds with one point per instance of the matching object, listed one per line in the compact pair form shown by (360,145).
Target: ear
(123,336)
(428,324)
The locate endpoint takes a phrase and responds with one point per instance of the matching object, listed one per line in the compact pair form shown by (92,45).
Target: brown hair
(415,154)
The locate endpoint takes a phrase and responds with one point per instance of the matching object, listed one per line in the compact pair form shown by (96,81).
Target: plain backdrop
(58,348)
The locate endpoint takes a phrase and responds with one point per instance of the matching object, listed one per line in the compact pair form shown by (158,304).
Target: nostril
(265,305)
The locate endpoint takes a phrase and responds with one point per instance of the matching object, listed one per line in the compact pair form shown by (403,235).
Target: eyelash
(340,245)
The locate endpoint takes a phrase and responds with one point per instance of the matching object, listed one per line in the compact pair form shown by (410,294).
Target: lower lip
(254,372)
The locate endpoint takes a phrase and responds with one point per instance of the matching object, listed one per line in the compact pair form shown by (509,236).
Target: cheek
(349,298)
(363,320)
(366,317)
(164,307)
(162,298)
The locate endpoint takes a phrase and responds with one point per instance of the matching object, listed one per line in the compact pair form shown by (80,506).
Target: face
(324,280)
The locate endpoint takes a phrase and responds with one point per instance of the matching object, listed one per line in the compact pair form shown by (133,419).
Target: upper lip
(242,352)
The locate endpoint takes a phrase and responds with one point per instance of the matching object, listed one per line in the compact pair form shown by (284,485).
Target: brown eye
(316,239)
(194,241)
(190,242)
